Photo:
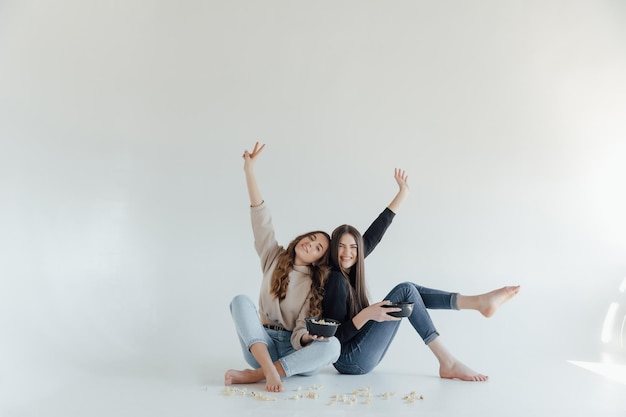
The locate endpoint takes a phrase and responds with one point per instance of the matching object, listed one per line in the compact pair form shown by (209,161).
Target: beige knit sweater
(294,308)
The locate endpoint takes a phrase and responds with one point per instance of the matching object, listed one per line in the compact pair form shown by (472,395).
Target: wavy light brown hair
(319,272)
(355,276)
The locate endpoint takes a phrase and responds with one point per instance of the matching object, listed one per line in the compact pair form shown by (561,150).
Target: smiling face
(311,248)
(347,252)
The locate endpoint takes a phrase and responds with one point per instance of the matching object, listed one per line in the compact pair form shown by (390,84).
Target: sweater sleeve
(374,234)
(300,328)
(264,238)
(335,306)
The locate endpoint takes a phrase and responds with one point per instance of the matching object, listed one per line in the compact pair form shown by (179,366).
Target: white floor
(528,377)
(533,387)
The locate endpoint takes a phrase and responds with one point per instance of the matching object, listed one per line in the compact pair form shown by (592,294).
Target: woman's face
(347,251)
(311,248)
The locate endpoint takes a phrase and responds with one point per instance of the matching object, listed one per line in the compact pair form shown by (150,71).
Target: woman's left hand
(308,338)
(381,313)
(402,179)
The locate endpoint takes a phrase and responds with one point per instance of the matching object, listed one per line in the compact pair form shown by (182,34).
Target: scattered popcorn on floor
(343,398)
(312,393)
(365,392)
(262,397)
(412,397)
(230,391)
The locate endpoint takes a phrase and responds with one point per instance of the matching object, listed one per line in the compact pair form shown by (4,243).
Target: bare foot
(247,376)
(251,376)
(273,383)
(491,301)
(457,370)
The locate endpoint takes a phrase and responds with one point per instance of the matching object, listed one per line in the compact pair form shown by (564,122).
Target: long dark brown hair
(319,272)
(355,276)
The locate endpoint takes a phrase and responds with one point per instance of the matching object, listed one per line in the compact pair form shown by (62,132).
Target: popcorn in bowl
(321,326)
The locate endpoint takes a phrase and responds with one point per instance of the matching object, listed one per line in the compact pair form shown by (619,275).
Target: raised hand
(250,157)
(402,178)
(248,167)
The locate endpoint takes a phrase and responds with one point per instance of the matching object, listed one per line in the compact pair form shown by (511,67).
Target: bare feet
(251,376)
(457,370)
(489,302)
(273,382)
(247,376)
(450,367)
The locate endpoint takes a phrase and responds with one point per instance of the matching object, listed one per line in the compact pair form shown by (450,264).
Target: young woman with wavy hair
(273,337)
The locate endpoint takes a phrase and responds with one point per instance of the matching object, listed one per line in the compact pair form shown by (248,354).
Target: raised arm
(377,229)
(248,167)
(402,179)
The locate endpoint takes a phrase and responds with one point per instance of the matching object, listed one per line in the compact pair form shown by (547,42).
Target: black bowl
(321,327)
(406,306)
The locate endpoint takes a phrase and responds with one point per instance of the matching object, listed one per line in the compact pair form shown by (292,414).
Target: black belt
(273,327)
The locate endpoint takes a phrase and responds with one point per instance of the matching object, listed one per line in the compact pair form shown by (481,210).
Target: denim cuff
(431,337)
(453,301)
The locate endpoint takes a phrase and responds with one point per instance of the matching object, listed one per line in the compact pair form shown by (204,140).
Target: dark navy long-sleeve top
(336,302)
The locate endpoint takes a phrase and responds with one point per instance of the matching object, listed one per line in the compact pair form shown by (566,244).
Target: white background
(124,221)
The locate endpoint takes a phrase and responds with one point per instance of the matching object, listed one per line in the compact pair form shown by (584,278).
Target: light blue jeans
(306,361)
(361,354)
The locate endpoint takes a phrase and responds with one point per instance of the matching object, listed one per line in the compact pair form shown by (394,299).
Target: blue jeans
(365,351)
(306,361)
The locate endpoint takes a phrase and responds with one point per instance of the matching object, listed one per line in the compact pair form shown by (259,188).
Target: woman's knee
(336,348)
(239,300)
(351,369)
(406,291)
(332,349)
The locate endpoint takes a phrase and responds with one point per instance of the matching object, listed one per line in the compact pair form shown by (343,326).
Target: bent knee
(333,348)
(404,288)
(350,369)
(240,299)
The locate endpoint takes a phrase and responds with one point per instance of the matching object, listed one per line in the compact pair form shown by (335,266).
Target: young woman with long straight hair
(367,330)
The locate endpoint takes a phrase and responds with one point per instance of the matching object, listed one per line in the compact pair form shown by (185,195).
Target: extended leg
(488,303)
